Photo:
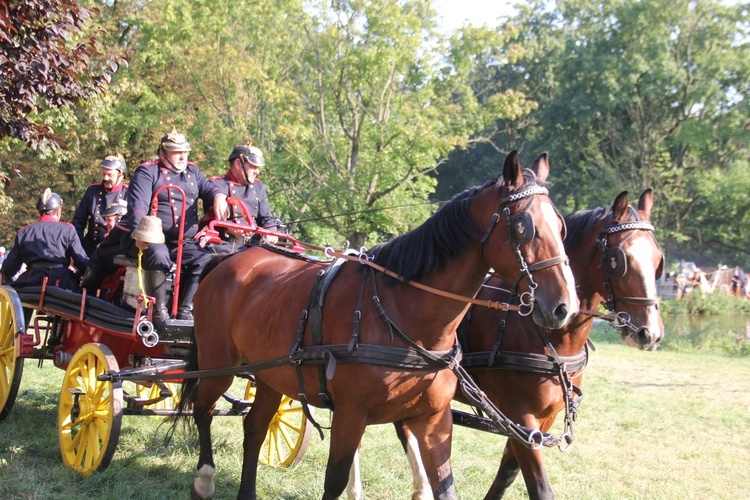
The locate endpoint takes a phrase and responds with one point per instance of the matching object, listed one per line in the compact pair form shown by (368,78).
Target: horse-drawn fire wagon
(88,337)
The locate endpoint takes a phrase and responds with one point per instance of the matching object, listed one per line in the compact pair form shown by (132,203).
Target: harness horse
(376,342)
(533,373)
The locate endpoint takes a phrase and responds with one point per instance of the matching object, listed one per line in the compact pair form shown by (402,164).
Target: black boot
(156,285)
(187,292)
(92,280)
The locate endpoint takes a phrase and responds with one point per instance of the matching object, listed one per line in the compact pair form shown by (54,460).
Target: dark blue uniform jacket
(253,195)
(88,215)
(150,176)
(47,248)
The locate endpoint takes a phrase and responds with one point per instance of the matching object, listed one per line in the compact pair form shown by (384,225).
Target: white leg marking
(422,490)
(204,483)
(354,486)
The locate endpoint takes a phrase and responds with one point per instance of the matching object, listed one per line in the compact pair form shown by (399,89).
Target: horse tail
(215,261)
(187,392)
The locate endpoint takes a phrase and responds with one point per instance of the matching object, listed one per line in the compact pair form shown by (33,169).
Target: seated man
(171,169)
(103,258)
(88,218)
(47,247)
(241,181)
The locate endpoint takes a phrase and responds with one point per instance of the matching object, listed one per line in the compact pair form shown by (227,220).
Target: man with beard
(171,169)
(88,217)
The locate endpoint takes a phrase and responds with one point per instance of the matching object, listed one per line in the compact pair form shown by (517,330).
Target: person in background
(47,247)
(88,219)
(2,256)
(171,168)
(739,282)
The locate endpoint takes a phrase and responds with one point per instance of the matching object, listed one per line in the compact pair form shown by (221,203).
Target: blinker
(615,262)
(522,228)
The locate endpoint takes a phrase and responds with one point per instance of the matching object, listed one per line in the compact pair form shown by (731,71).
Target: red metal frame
(180,240)
(211,234)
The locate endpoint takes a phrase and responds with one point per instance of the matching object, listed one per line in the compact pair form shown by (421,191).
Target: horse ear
(541,167)
(646,203)
(620,207)
(512,170)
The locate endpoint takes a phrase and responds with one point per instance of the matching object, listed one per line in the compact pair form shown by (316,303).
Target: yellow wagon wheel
(154,392)
(90,411)
(11,366)
(288,433)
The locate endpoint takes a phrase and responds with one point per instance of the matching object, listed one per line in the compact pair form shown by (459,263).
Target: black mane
(441,237)
(583,222)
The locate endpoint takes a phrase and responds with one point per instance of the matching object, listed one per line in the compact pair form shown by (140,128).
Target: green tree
(353,103)
(50,61)
(639,94)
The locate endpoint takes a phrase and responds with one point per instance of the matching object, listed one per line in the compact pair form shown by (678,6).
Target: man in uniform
(173,169)
(241,181)
(47,248)
(88,219)
(102,261)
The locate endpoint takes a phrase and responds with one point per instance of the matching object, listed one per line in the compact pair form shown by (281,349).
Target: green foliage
(361,106)
(706,304)
(726,334)
(634,95)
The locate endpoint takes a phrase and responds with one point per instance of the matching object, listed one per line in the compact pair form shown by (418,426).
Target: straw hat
(149,230)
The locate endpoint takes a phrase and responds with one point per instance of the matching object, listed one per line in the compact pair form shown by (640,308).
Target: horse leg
(433,437)
(529,462)
(347,429)
(255,427)
(209,391)
(354,486)
(506,474)
(421,482)
(534,474)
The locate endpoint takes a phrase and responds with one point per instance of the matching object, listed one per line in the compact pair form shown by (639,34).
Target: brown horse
(615,257)
(256,306)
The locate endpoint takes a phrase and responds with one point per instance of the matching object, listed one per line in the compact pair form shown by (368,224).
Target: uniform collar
(47,218)
(232,178)
(117,188)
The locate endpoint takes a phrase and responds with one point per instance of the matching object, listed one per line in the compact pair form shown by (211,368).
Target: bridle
(613,261)
(521,231)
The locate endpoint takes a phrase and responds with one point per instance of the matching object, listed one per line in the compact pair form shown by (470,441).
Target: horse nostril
(561,312)
(644,336)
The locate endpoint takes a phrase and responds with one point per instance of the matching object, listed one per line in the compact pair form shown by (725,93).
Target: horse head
(535,262)
(630,263)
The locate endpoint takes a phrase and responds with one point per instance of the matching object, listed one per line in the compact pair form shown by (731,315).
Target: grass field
(659,425)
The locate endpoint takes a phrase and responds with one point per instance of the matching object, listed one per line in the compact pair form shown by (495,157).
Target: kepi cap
(114,161)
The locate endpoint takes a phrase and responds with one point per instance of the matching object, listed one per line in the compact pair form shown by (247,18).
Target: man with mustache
(171,168)
(88,219)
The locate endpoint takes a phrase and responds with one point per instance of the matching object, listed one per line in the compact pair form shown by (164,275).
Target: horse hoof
(194,495)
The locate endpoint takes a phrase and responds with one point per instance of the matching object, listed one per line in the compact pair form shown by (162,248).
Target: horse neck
(430,319)
(571,339)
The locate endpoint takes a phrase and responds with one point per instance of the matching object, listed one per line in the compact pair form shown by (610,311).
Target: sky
(455,13)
